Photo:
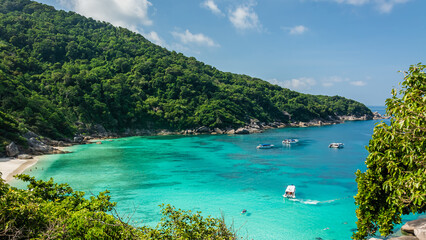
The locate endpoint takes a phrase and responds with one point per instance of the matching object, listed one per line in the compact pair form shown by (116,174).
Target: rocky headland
(412,230)
(87,134)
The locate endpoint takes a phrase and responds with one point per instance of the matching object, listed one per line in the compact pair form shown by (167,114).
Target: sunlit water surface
(220,174)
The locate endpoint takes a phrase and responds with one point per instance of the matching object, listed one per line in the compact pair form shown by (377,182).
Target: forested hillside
(58,69)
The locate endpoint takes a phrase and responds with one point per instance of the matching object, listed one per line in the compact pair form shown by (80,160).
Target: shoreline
(11,166)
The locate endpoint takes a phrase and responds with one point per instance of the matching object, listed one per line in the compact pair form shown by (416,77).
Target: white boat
(290,191)
(336,145)
(264,146)
(290,141)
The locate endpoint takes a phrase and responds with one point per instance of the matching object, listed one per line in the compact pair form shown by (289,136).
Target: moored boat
(290,141)
(336,145)
(265,146)
(290,191)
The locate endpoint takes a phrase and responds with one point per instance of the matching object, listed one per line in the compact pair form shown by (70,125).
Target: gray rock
(99,128)
(218,131)
(254,130)
(231,131)
(30,134)
(202,129)
(12,150)
(411,225)
(242,131)
(303,124)
(404,238)
(78,139)
(38,146)
(420,233)
(25,156)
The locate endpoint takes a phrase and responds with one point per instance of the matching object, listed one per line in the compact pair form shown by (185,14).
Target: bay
(222,175)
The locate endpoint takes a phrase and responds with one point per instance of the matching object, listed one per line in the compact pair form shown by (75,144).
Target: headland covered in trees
(65,76)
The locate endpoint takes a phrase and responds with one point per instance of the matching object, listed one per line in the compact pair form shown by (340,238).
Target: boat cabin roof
(291,188)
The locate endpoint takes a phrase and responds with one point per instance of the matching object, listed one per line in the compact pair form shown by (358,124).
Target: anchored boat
(290,141)
(336,145)
(265,146)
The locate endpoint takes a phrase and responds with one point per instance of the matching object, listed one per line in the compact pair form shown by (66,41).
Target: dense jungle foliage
(58,68)
(47,210)
(395,181)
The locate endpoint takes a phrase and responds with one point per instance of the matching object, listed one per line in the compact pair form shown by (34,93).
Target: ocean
(224,174)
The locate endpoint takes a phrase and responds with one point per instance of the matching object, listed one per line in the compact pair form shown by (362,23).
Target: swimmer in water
(244,211)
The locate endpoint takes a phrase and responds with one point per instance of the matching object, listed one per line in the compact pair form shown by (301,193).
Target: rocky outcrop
(12,150)
(202,129)
(420,233)
(39,146)
(25,156)
(403,238)
(29,135)
(242,131)
(78,139)
(416,228)
(355,118)
(412,230)
(377,116)
(218,131)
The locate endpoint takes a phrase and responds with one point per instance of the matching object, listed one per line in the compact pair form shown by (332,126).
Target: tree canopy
(395,180)
(48,210)
(58,68)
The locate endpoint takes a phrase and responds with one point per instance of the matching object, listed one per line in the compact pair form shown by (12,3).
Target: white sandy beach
(10,167)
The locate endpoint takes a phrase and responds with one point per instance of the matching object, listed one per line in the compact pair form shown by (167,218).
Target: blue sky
(351,48)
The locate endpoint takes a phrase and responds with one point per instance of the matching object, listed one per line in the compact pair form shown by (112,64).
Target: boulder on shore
(202,129)
(39,146)
(218,131)
(242,131)
(410,226)
(403,238)
(25,156)
(420,233)
(78,139)
(12,150)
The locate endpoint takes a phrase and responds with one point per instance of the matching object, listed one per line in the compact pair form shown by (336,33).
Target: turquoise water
(226,174)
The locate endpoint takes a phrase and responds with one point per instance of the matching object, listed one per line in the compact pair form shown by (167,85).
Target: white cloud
(297,30)
(153,37)
(353,2)
(358,83)
(302,83)
(384,6)
(200,39)
(244,17)
(124,13)
(331,81)
(211,5)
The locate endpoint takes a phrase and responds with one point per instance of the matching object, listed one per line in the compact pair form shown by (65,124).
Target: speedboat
(265,146)
(336,145)
(290,191)
(290,141)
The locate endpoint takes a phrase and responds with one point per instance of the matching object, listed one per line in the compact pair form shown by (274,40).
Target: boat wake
(312,202)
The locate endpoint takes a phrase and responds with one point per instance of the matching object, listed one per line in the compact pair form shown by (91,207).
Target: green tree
(47,210)
(395,180)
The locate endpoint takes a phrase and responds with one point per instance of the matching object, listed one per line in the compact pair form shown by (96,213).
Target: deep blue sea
(224,174)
